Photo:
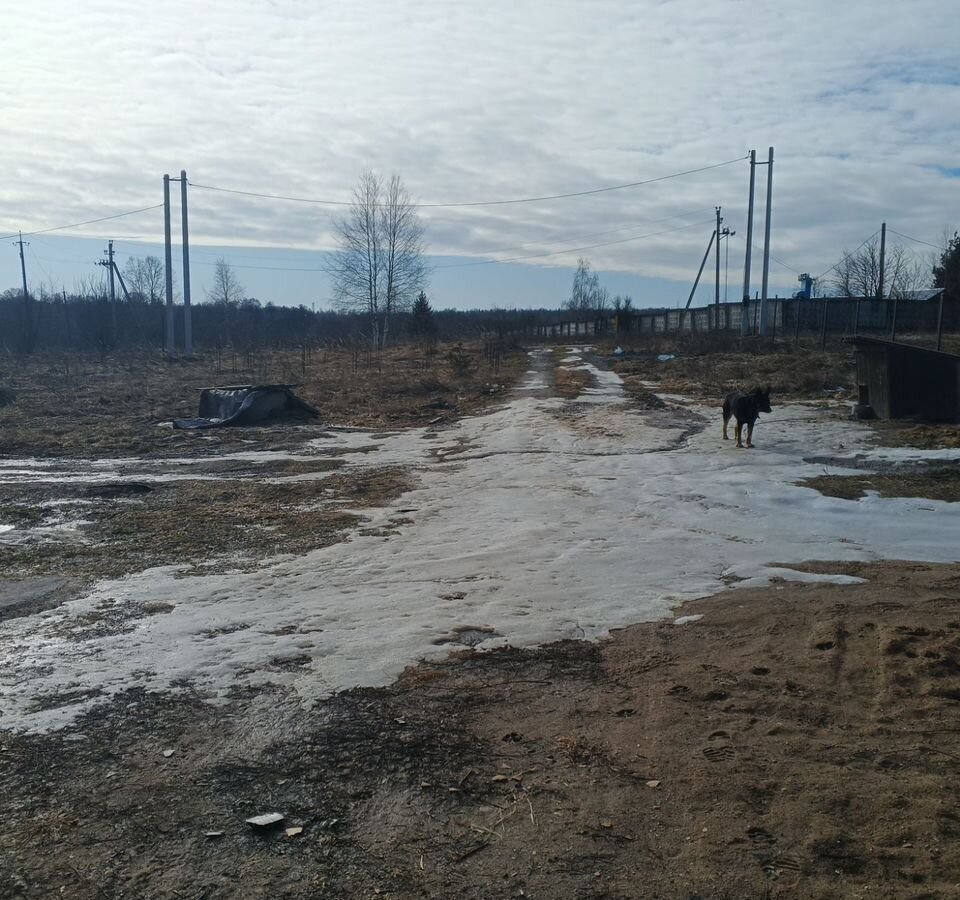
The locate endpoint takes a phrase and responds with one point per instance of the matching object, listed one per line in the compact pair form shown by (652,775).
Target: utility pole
(113,293)
(25,308)
(766,246)
(185,241)
(703,262)
(744,315)
(168,265)
(883,257)
(716,293)
(23,268)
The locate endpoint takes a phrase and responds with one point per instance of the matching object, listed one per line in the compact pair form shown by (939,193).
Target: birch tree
(379,266)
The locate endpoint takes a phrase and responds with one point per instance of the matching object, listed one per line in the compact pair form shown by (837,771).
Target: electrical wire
(131,212)
(485,262)
(638,237)
(461,204)
(779,262)
(36,259)
(846,256)
(915,240)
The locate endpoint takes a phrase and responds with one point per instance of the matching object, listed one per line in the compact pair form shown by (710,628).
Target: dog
(746,409)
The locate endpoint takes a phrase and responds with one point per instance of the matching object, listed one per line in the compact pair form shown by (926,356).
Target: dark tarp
(247,404)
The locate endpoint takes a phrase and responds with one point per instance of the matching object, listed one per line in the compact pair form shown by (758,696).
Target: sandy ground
(794,736)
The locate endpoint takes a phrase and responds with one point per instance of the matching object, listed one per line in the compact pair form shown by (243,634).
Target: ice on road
(539,521)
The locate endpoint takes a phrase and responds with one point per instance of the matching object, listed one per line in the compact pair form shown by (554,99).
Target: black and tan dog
(746,409)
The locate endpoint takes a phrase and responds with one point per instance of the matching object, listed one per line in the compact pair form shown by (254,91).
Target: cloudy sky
(479,101)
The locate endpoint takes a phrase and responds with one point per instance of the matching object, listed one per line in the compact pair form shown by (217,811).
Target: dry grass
(941,483)
(75,405)
(232,521)
(926,437)
(699,372)
(568,381)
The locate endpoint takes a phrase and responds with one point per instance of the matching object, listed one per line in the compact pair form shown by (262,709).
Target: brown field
(73,405)
(797,741)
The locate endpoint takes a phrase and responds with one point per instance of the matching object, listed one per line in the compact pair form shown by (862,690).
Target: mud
(799,741)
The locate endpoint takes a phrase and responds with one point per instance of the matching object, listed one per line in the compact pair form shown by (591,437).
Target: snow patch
(546,530)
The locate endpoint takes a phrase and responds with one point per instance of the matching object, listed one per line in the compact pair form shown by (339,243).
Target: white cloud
(499,99)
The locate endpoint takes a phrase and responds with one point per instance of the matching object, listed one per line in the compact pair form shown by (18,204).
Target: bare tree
(379,266)
(226,289)
(144,276)
(586,294)
(858,273)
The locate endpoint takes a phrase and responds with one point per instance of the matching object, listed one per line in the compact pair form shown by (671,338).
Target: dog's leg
(739,429)
(749,434)
(726,421)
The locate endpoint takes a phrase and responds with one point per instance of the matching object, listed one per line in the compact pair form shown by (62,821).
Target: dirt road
(754,748)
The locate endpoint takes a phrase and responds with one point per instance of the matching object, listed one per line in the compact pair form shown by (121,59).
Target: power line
(131,212)
(576,239)
(846,256)
(916,240)
(779,262)
(564,196)
(36,259)
(486,262)
(638,237)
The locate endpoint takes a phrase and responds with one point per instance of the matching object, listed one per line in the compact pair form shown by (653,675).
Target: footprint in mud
(778,864)
(719,754)
(760,836)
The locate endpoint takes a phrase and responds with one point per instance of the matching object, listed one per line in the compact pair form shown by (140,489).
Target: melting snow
(542,530)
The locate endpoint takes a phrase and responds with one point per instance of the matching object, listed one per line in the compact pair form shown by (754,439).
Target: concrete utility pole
(883,257)
(168,265)
(744,317)
(185,241)
(716,293)
(766,246)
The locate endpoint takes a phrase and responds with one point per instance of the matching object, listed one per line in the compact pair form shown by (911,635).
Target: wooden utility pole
(25,327)
(703,262)
(23,268)
(113,294)
(168,266)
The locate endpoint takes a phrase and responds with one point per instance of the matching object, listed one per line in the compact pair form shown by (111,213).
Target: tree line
(77,320)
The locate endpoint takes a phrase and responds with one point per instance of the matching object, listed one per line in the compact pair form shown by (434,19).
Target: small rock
(293,832)
(213,834)
(167,753)
(606,823)
(499,778)
(653,784)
